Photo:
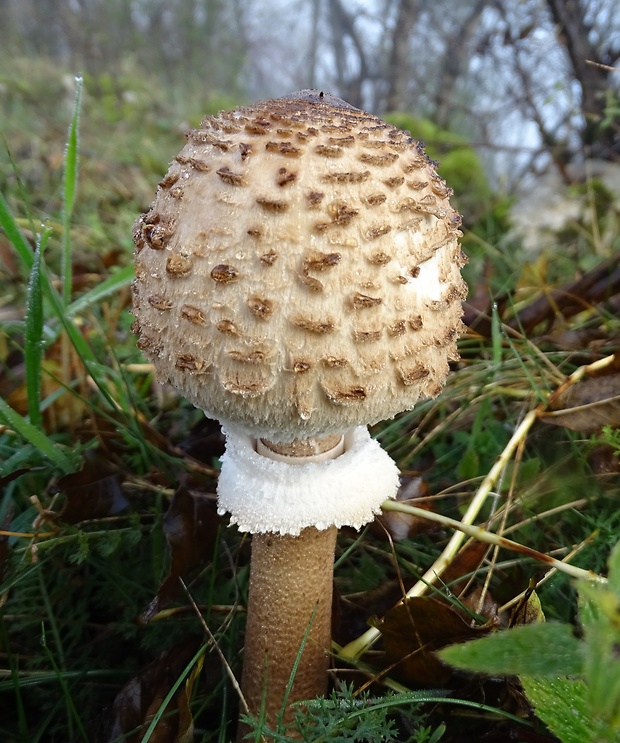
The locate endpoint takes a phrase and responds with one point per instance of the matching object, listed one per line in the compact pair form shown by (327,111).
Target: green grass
(104,476)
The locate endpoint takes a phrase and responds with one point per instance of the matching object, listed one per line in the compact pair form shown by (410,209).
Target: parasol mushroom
(298,279)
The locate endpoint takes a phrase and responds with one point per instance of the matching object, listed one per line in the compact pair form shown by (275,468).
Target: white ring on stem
(264,495)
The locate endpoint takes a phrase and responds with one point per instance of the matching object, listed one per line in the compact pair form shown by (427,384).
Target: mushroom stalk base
(290,591)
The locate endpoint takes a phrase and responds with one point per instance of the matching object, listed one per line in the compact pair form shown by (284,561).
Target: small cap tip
(314,95)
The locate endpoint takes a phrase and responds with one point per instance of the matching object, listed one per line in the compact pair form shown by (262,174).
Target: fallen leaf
(588,405)
(351,614)
(527,611)
(142,697)
(464,565)
(414,629)
(413,491)
(204,442)
(604,460)
(94,492)
(481,601)
(190,525)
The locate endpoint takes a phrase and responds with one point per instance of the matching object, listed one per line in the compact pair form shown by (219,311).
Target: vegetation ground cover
(122,591)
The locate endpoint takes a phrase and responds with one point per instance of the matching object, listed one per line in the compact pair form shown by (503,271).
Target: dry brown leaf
(141,698)
(464,565)
(587,406)
(413,491)
(604,460)
(94,492)
(190,525)
(414,629)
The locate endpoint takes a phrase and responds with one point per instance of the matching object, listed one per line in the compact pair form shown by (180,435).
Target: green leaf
(562,704)
(37,438)
(469,466)
(539,649)
(600,616)
(111,285)
(15,235)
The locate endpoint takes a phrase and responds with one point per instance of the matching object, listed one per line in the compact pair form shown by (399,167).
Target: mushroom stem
(290,598)
(293,497)
(301,451)
(290,589)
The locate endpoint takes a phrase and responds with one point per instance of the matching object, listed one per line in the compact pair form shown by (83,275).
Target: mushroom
(298,279)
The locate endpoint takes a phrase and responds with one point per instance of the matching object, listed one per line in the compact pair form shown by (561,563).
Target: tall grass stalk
(73,717)
(34,333)
(69,192)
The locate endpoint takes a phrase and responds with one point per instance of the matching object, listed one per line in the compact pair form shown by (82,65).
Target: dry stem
(360,645)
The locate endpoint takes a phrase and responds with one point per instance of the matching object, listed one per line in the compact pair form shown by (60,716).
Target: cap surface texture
(299,270)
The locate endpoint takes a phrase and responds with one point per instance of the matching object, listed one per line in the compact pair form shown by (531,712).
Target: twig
(602,66)
(551,572)
(211,636)
(483,535)
(464,527)
(359,646)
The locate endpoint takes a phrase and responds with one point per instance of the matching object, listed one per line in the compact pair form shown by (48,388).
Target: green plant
(348,715)
(573,684)
(66,423)
(459,165)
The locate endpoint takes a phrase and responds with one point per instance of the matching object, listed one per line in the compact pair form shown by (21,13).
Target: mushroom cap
(299,270)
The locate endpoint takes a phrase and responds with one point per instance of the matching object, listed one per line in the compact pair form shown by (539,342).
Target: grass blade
(15,235)
(72,713)
(34,334)
(36,437)
(70,186)
(111,285)
(197,659)
(26,256)
(13,683)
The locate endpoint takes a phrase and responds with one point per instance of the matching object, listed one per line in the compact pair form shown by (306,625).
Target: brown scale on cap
(362,301)
(159,302)
(308,279)
(235,179)
(260,307)
(169,180)
(178,265)
(193,314)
